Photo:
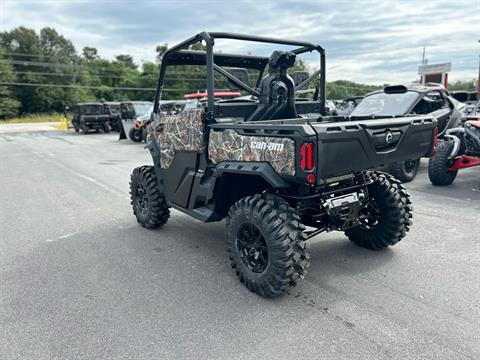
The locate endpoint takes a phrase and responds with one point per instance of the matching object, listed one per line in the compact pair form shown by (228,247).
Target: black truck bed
(351,146)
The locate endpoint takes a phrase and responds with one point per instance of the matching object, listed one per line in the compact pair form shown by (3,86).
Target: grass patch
(34,118)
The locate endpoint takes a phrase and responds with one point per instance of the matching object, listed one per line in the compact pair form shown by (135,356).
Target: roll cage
(178,55)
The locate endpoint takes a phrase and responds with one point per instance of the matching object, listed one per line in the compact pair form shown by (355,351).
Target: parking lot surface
(80,279)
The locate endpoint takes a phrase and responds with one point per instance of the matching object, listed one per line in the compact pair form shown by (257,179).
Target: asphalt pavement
(80,279)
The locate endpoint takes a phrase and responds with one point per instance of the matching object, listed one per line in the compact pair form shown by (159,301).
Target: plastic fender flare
(456,145)
(155,152)
(253,168)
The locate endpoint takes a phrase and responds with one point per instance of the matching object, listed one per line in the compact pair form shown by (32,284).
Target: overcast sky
(366,41)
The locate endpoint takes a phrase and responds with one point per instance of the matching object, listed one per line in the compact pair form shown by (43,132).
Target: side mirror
(299,77)
(241,74)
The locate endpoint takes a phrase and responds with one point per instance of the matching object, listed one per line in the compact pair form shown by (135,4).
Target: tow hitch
(343,210)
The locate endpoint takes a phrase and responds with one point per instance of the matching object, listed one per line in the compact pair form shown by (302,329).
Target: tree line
(43,72)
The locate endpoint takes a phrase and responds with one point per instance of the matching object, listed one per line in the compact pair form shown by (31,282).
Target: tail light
(307,156)
(307,160)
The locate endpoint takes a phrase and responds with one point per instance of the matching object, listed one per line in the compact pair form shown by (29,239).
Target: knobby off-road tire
(148,202)
(276,257)
(438,165)
(404,171)
(387,217)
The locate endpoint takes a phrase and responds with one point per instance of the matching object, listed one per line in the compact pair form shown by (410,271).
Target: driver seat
(277,90)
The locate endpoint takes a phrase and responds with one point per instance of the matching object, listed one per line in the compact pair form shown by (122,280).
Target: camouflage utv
(272,164)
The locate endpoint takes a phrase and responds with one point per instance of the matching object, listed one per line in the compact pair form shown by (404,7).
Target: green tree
(462,85)
(8,104)
(160,50)
(125,60)
(89,53)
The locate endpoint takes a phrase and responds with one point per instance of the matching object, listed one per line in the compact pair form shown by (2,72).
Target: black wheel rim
(410,166)
(252,247)
(141,200)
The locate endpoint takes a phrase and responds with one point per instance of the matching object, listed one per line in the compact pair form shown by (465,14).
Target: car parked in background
(90,116)
(412,100)
(112,109)
(463,96)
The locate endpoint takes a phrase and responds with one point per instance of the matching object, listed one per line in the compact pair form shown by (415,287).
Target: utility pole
(478,77)
(422,78)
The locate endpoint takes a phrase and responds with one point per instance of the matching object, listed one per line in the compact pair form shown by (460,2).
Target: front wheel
(148,201)
(136,134)
(386,217)
(405,171)
(106,128)
(266,244)
(439,163)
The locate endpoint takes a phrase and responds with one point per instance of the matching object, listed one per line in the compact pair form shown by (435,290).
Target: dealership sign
(435,68)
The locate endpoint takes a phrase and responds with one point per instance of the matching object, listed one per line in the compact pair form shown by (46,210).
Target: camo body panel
(228,145)
(182,132)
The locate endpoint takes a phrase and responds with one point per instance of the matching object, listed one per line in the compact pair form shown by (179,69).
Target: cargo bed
(352,146)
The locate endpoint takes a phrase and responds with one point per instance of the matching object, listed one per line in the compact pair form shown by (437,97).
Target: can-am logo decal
(388,137)
(261,145)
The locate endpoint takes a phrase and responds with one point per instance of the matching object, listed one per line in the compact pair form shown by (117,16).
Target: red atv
(460,149)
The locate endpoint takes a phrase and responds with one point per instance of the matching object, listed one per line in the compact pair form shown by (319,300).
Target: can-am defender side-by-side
(411,100)
(460,149)
(90,116)
(271,165)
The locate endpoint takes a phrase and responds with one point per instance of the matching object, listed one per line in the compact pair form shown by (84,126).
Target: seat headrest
(281,59)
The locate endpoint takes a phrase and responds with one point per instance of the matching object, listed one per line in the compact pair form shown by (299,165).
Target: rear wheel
(148,202)
(266,244)
(438,165)
(386,218)
(405,171)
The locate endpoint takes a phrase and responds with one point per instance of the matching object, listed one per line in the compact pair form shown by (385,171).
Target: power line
(39,63)
(142,76)
(76,86)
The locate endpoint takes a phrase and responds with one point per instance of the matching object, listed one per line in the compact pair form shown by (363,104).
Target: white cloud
(366,41)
